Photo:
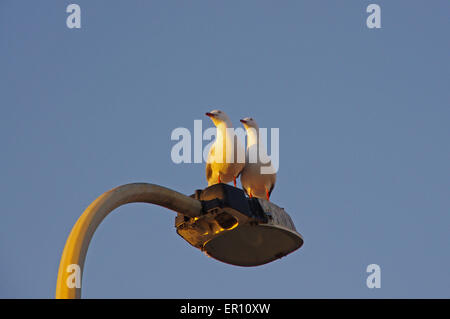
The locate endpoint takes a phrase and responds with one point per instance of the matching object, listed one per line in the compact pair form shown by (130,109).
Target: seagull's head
(219,117)
(249,122)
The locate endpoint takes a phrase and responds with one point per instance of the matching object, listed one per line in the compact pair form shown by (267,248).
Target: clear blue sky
(364,127)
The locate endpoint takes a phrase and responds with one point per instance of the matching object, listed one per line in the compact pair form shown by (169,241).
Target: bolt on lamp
(220,220)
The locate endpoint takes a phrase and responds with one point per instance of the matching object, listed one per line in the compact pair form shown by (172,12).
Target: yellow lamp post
(222,222)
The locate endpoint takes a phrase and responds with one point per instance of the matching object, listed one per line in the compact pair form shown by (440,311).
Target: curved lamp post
(220,221)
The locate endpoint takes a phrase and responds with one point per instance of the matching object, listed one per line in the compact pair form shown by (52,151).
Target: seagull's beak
(209,114)
(243,121)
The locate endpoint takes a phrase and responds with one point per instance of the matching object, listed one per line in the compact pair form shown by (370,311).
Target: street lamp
(220,220)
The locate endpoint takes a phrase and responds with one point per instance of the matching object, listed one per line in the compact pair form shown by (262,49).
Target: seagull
(254,183)
(218,168)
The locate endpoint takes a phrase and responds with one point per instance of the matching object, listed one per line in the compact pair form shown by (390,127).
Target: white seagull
(254,183)
(219,168)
